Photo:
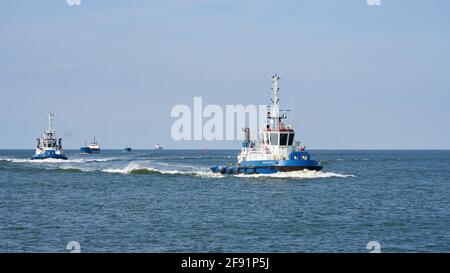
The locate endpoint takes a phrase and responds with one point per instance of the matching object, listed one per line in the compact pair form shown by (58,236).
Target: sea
(169,201)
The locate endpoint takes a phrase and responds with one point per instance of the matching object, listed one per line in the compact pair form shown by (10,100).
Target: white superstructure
(276,139)
(49,146)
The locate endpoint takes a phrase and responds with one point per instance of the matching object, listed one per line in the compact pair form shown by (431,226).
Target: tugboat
(49,146)
(94,146)
(85,150)
(127,149)
(276,151)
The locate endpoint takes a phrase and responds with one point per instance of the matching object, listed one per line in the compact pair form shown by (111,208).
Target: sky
(355,76)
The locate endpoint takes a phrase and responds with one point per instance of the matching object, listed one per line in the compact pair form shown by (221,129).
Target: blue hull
(85,150)
(298,161)
(49,154)
(262,169)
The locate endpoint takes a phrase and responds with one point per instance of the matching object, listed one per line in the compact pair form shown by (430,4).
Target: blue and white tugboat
(49,146)
(275,151)
(85,150)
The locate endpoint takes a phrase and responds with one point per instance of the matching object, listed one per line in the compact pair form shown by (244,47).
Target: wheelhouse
(279,137)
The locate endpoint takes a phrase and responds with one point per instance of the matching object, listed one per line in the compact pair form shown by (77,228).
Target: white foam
(100,159)
(25,160)
(134,166)
(205,173)
(129,168)
(66,167)
(171,169)
(54,160)
(299,175)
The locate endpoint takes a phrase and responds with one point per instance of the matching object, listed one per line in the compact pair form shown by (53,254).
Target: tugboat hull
(259,170)
(85,150)
(268,167)
(49,154)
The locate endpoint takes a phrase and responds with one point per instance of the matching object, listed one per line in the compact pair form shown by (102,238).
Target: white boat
(94,146)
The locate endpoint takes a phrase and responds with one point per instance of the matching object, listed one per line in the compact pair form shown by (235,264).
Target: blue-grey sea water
(169,201)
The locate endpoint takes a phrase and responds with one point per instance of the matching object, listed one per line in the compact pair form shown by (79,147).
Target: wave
(306,174)
(201,157)
(352,159)
(149,168)
(72,170)
(52,160)
(136,168)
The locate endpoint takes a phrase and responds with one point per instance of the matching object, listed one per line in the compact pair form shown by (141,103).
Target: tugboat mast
(275,108)
(274,115)
(50,123)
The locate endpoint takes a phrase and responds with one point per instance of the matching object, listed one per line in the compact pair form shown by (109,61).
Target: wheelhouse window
(291,139)
(274,138)
(283,139)
(266,136)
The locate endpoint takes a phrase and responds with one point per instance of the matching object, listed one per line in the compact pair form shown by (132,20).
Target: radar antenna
(50,123)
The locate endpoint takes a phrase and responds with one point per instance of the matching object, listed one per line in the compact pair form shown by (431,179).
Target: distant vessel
(275,151)
(127,149)
(158,147)
(49,146)
(85,150)
(94,146)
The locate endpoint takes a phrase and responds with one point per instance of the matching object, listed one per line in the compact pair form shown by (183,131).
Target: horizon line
(223,149)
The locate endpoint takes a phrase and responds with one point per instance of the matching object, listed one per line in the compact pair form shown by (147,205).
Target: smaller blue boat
(49,146)
(85,150)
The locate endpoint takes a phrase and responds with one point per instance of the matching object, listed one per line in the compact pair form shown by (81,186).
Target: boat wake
(297,175)
(53,160)
(136,168)
(149,167)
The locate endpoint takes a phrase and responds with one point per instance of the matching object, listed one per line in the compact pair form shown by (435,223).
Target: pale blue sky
(355,76)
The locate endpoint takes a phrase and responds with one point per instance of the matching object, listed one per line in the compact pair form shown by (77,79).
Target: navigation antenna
(274,113)
(50,123)
(275,89)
